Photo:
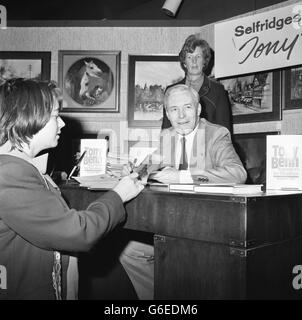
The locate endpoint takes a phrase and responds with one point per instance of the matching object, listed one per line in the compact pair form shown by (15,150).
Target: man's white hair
(180,88)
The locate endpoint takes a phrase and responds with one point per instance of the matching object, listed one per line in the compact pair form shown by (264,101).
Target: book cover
(94,161)
(283,162)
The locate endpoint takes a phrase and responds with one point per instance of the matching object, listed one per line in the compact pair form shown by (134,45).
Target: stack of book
(115,164)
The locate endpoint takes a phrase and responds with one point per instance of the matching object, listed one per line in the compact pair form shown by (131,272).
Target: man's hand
(167,175)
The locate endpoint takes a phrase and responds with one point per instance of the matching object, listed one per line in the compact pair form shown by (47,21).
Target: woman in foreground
(39,235)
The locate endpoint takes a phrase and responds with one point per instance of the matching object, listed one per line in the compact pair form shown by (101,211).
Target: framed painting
(251,149)
(255,97)
(90,80)
(25,64)
(148,78)
(293,88)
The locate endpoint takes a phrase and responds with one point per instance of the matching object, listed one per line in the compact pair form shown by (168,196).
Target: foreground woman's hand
(129,187)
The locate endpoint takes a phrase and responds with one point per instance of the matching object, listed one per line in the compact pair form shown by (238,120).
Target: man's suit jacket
(214,102)
(213,154)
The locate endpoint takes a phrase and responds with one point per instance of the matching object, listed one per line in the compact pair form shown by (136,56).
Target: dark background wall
(206,11)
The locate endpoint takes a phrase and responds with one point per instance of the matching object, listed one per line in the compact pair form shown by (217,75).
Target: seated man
(195,149)
(192,150)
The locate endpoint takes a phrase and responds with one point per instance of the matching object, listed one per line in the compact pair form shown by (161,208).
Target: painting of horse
(89,81)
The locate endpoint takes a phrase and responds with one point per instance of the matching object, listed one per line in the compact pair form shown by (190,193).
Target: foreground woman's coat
(35,221)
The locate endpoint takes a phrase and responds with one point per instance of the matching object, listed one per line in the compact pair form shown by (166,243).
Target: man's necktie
(183,164)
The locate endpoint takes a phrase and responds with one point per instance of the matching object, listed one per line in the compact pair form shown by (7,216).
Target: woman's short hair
(179,88)
(25,108)
(190,45)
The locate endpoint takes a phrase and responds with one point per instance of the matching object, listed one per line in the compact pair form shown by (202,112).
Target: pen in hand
(76,165)
(132,165)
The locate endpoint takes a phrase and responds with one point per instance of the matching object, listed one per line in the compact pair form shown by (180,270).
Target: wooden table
(210,246)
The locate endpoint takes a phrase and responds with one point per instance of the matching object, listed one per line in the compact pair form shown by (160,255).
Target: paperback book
(94,161)
(283,162)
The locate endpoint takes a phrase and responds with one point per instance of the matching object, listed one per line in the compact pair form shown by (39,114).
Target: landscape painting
(24,64)
(149,77)
(254,97)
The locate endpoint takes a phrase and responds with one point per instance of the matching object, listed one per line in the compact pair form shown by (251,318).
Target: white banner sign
(264,41)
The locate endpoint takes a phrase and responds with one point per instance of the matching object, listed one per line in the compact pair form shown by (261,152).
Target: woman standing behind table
(194,57)
(39,234)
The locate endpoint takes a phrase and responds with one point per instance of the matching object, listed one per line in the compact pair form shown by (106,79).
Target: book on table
(284,162)
(94,161)
(191,186)
(229,188)
(182,186)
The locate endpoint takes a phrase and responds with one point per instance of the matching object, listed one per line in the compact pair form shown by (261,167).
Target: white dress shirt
(185,175)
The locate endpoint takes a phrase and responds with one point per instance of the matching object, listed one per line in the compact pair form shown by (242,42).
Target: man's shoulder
(210,125)
(213,128)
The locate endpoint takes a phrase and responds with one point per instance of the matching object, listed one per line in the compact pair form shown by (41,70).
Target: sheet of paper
(101,181)
(140,154)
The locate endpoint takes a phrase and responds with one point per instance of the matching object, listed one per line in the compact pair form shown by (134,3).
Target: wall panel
(129,40)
